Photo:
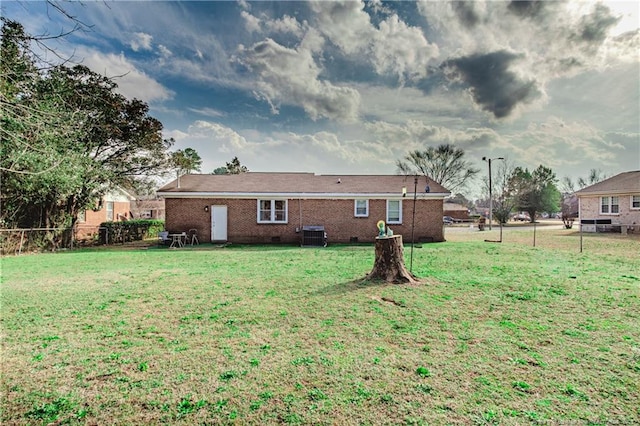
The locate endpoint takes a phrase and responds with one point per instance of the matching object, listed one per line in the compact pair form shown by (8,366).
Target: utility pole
(413,219)
(488,160)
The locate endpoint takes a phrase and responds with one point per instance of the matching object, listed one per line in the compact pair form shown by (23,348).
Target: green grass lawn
(496,334)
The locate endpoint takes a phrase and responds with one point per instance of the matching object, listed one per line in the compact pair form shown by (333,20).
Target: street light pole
(488,160)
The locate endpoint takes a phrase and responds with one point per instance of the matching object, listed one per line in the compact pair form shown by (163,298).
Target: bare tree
(504,201)
(595,176)
(570,199)
(444,164)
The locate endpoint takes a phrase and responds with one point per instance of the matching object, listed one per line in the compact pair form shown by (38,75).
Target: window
(82,216)
(394,211)
(635,202)
(361,208)
(272,211)
(609,205)
(109,210)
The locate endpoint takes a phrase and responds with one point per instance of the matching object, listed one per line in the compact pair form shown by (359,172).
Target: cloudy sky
(350,87)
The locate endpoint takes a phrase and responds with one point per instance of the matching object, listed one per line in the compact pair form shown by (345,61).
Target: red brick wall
(93,219)
(337,217)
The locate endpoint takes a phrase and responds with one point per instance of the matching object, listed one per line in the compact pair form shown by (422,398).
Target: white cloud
(244,4)
(140,41)
(328,146)
(209,112)
(397,105)
(402,50)
(286,24)
(561,145)
(178,135)
(217,135)
(623,48)
(284,151)
(132,82)
(550,39)
(251,23)
(291,76)
(557,38)
(418,135)
(346,24)
(394,48)
(312,41)
(164,51)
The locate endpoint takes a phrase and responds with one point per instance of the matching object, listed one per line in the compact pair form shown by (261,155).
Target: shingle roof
(297,183)
(623,183)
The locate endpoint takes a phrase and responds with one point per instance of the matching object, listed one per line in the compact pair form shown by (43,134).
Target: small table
(176,240)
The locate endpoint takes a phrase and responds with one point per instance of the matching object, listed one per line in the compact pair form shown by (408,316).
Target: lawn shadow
(363,283)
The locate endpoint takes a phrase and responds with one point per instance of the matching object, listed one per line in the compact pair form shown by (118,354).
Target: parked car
(447,220)
(522,217)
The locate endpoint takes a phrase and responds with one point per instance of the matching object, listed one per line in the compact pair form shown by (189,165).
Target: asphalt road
(543,224)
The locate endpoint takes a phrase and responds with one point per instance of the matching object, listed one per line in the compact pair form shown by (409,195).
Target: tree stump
(389,264)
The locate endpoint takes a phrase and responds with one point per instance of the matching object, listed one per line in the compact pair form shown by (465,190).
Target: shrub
(131,230)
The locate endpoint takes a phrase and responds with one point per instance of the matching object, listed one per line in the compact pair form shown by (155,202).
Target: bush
(131,230)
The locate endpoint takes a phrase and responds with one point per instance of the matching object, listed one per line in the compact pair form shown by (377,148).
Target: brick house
(614,202)
(148,208)
(115,205)
(276,207)
(456,211)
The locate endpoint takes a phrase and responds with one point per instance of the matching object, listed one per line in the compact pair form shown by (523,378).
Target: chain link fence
(26,240)
(17,241)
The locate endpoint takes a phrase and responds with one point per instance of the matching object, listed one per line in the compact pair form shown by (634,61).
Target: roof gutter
(607,193)
(302,195)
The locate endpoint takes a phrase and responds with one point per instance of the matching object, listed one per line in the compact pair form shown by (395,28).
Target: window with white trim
(609,205)
(361,208)
(82,216)
(635,202)
(272,211)
(110,211)
(394,211)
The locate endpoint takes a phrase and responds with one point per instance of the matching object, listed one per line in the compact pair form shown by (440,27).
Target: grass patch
(497,333)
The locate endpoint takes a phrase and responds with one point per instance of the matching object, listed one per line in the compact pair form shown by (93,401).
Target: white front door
(218,223)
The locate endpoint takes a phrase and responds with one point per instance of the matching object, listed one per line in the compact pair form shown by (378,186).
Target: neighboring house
(148,208)
(456,211)
(614,201)
(276,207)
(570,205)
(114,206)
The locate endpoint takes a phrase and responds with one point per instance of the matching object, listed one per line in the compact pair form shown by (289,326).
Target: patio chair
(193,236)
(163,238)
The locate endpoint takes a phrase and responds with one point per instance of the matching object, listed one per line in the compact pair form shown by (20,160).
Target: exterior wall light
(206,208)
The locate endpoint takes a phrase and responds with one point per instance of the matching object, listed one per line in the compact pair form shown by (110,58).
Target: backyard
(495,334)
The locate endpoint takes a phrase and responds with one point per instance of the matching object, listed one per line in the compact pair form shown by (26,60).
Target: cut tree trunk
(389,264)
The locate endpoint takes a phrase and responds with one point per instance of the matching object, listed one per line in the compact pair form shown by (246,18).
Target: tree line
(67,138)
(514,189)
(188,161)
